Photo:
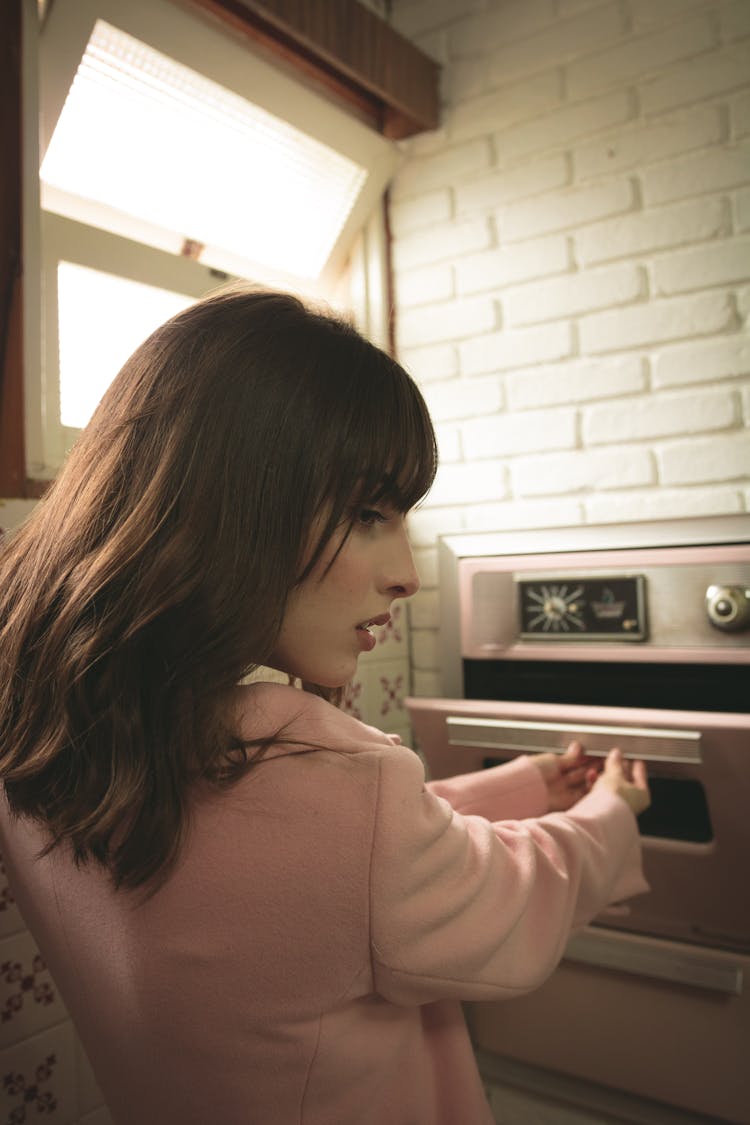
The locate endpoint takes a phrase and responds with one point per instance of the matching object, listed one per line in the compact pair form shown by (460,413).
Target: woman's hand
(567,776)
(627,779)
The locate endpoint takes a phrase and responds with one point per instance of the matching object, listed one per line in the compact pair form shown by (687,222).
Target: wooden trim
(12,448)
(348,51)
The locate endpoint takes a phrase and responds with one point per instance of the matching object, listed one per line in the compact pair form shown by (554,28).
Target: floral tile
(391,640)
(10,916)
(377,694)
(38,1079)
(29,999)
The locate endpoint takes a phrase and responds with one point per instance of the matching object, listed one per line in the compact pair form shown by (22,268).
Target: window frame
(49,237)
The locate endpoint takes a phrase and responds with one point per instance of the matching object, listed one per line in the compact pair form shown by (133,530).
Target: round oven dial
(728,607)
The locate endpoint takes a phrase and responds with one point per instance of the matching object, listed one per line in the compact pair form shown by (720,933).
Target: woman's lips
(364,631)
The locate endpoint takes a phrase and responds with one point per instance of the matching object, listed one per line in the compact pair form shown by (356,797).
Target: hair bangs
(396,451)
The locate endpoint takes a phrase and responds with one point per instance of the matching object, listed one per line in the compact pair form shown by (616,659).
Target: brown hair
(154,574)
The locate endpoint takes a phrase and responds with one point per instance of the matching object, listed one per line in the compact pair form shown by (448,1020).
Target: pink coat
(305,962)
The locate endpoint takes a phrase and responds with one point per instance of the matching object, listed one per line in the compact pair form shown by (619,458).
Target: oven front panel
(696,835)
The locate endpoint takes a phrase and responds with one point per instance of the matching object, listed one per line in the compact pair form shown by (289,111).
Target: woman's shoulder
(263,708)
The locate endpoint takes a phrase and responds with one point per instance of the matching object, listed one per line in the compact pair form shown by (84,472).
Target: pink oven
(637,636)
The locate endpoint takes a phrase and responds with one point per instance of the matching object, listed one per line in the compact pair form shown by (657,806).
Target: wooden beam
(349,51)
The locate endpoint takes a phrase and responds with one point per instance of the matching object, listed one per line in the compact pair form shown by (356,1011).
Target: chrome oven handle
(608,951)
(656,744)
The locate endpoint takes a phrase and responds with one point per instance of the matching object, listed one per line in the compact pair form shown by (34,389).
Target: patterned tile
(10,916)
(378,692)
(391,640)
(29,1000)
(38,1079)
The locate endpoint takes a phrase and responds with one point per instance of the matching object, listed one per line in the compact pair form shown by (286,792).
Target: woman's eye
(370,516)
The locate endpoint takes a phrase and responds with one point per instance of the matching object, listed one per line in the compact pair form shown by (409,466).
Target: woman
(255,909)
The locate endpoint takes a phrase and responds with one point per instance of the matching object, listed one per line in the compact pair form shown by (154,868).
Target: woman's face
(325,625)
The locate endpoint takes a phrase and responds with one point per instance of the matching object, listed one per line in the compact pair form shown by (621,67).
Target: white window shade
(147,136)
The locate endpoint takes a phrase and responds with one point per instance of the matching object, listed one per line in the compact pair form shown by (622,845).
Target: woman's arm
(465,907)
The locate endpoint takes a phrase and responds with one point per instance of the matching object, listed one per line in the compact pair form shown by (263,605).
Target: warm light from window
(102,320)
(157,141)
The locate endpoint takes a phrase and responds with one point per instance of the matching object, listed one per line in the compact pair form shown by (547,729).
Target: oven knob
(728,607)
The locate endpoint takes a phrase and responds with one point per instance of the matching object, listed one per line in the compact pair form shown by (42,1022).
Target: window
(174,157)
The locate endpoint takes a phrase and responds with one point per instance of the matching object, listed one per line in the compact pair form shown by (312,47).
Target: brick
(424,610)
(714,170)
(662,503)
(427,685)
(665,415)
(426,562)
(721,458)
(746,405)
(564,210)
(558,128)
(553,46)
(655,229)
(646,15)
(421,211)
(503,108)
(426,364)
(735,21)
(523,514)
(702,361)
(486,192)
(573,7)
(742,209)
(467,483)
(441,243)
(523,347)
(739,110)
(639,143)
(425,524)
(742,296)
(639,56)
(573,294)
(673,318)
(424,144)
(449,320)
(463,79)
(713,263)
(508,434)
(463,398)
(448,442)
(506,22)
(425,649)
(717,72)
(426,15)
(576,381)
(582,471)
(448,165)
(522,261)
(421,286)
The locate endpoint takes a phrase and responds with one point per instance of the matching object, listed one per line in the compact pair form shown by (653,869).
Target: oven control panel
(583,609)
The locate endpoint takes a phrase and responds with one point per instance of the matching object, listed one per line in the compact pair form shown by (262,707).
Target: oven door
(653,997)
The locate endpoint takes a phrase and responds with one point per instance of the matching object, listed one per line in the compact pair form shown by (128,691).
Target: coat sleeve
(510,791)
(469,908)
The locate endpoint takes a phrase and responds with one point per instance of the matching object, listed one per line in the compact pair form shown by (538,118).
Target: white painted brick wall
(571,254)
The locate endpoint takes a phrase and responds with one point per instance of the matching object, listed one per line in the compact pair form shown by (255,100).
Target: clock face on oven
(573,609)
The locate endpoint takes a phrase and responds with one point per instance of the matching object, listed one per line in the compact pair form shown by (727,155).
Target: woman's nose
(400,574)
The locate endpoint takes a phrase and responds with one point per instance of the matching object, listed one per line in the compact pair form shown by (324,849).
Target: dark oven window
(673,687)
